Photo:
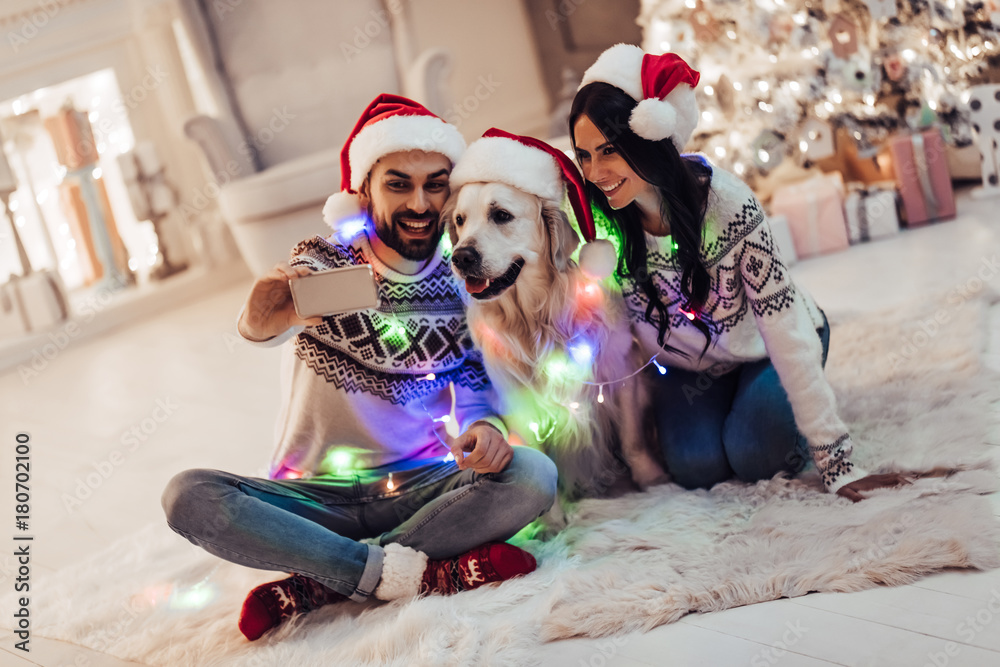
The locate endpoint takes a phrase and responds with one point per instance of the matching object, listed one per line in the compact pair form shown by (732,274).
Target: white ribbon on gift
(923,175)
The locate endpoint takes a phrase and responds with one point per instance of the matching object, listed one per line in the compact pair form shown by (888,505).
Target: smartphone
(335,291)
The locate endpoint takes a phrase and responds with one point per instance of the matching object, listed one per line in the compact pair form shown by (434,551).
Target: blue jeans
(314,527)
(736,425)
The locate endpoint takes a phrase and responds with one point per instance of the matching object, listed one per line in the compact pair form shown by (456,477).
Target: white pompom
(653,119)
(598,259)
(341,206)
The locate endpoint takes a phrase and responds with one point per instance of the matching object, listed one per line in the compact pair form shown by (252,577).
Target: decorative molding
(47,8)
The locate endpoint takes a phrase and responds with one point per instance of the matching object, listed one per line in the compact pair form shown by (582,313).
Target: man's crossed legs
(349,536)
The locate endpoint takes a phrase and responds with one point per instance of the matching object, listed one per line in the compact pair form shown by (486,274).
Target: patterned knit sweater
(356,392)
(754,310)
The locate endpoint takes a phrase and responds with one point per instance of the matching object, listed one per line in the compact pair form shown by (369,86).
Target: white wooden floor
(91,394)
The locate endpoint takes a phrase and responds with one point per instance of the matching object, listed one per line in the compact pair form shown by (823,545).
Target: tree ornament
(706,28)
(895,67)
(858,73)
(816,140)
(780,28)
(768,150)
(726,95)
(843,36)
(881,9)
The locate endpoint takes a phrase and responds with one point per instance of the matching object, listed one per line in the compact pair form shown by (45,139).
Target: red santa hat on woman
(532,166)
(663,86)
(390,124)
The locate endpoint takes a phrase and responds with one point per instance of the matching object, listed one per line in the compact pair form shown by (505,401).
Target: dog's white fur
(535,320)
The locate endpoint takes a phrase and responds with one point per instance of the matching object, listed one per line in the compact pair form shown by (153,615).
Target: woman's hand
(853,490)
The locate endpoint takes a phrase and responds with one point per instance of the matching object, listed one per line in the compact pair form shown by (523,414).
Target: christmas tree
(782,78)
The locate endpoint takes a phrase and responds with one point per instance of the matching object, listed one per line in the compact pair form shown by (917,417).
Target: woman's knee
(761,455)
(699,472)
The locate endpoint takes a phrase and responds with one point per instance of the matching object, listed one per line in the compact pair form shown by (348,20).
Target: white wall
(496,81)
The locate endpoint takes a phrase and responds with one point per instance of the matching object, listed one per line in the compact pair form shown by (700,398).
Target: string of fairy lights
(580,352)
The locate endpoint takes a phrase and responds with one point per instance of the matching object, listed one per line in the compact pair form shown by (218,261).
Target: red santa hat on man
(532,166)
(663,86)
(390,124)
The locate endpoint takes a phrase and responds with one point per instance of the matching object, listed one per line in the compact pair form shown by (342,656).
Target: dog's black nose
(466,259)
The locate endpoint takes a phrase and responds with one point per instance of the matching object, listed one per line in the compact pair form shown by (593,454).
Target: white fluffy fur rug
(625,564)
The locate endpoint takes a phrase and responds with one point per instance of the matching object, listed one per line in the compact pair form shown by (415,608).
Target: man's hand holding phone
(269,310)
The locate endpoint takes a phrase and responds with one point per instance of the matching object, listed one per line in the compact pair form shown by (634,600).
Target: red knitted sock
(269,605)
(486,564)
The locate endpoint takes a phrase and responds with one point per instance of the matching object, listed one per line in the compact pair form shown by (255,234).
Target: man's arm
(269,310)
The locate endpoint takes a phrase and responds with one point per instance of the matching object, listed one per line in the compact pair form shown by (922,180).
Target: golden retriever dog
(556,343)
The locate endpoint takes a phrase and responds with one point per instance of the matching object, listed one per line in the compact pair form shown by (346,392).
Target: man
(367,492)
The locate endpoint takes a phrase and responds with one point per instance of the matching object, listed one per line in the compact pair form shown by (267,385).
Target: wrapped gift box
(921,165)
(815,213)
(782,234)
(73,138)
(871,168)
(871,213)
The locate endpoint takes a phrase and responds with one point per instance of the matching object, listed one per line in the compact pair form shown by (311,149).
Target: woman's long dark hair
(683,185)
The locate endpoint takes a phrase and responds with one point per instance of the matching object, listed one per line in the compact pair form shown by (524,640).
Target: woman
(745,395)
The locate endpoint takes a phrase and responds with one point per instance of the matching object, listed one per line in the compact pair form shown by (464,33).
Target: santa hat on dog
(390,124)
(532,166)
(663,86)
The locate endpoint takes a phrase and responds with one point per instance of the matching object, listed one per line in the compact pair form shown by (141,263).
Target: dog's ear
(448,216)
(562,237)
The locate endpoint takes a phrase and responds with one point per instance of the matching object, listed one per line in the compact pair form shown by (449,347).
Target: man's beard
(413,249)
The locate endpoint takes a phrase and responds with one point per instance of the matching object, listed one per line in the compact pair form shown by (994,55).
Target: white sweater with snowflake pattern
(754,311)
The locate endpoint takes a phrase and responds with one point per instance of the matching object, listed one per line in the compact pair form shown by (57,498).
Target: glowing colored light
(737,85)
(803,145)
(97,173)
(430,376)
(707,116)
(390,484)
(449,457)
(720,151)
(688,313)
(909,55)
(663,371)
(534,429)
(574,406)
(582,353)
(556,367)
(195,597)
(443,419)
(351,227)
(794,86)
(600,394)
(709,90)
(339,459)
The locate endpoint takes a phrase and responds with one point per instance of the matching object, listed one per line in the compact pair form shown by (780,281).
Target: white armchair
(289,81)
